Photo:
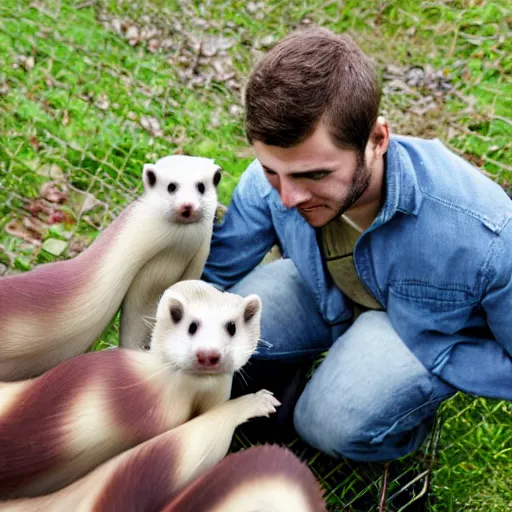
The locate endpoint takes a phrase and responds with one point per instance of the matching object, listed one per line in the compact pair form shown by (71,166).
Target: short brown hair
(312,75)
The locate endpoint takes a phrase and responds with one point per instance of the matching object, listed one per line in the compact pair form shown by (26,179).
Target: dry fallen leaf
(66,118)
(59,217)
(34,142)
(29,63)
(77,245)
(81,201)
(54,192)
(236,110)
(102,102)
(151,125)
(17,229)
(132,32)
(34,225)
(153,45)
(268,41)
(198,57)
(418,77)
(52,171)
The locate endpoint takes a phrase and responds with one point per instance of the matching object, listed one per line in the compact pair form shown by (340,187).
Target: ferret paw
(262,403)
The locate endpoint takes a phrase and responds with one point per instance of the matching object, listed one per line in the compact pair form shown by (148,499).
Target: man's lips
(309,208)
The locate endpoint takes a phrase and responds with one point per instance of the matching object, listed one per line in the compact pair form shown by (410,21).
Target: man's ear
(380,135)
(379,140)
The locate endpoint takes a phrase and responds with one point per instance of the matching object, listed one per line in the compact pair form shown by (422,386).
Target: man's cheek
(274,181)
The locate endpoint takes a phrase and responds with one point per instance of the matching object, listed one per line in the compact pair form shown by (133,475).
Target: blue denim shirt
(438,257)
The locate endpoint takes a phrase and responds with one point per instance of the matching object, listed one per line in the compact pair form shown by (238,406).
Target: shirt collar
(402,190)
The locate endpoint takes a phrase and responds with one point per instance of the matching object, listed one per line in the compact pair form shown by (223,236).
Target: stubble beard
(360,182)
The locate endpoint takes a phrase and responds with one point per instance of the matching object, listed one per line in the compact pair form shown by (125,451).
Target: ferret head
(204,330)
(186,187)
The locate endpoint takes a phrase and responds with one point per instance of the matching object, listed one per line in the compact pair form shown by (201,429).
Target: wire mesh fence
(90,91)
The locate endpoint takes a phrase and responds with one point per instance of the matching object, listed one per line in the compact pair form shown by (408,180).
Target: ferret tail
(259,479)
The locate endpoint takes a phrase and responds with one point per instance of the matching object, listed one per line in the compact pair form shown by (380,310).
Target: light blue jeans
(370,399)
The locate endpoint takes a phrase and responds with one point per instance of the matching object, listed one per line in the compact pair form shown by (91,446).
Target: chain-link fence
(90,91)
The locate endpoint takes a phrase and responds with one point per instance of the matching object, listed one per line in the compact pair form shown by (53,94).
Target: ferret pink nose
(186,210)
(208,358)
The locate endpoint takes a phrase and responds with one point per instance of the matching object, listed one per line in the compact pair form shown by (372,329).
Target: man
(397,254)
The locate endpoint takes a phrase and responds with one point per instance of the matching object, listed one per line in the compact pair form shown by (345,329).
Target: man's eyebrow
(300,173)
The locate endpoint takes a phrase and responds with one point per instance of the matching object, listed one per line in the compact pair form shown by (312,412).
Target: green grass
(80,108)
(474,472)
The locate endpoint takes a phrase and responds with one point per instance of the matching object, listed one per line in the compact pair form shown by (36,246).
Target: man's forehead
(296,161)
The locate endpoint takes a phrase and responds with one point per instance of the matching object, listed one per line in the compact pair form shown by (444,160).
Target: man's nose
(291,194)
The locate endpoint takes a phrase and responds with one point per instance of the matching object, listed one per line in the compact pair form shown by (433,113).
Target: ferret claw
(262,403)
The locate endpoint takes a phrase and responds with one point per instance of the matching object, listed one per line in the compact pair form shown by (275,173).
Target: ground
(91,90)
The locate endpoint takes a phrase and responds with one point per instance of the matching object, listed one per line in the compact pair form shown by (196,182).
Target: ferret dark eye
(200,188)
(231,328)
(192,328)
(172,187)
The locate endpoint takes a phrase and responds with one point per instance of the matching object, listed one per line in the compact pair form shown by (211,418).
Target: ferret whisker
(149,318)
(149,323)
(249,363)
(243,376)
(151,376)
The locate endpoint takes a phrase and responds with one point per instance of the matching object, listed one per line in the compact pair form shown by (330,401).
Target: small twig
(382,502)
(90,3)
(195,67)
(504,119)
(497,164)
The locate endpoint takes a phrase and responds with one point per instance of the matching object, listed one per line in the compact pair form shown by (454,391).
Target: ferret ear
(252,307)
(176,309)
(149,175)
(217,176)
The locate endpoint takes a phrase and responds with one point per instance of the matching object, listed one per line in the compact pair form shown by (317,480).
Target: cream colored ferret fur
(57,427)
(57,310)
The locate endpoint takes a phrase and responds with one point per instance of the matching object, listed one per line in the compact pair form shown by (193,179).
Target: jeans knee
(360,435)
(333,433)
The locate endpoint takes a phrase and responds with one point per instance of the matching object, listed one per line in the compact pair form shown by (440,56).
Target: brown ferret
(57,310)
(57,427)
(150,476)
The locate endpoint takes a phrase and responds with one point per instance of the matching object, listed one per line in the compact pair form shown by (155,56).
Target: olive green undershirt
(338,240)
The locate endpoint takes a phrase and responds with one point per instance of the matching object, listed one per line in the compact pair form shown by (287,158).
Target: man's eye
(269,172)
(317,175)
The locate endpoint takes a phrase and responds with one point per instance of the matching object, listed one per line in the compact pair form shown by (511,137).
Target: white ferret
(57,310)
(57,427)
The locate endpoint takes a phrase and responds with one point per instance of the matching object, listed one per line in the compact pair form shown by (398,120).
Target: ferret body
(57,310)
(94,406)
(190,195)
(179,470)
